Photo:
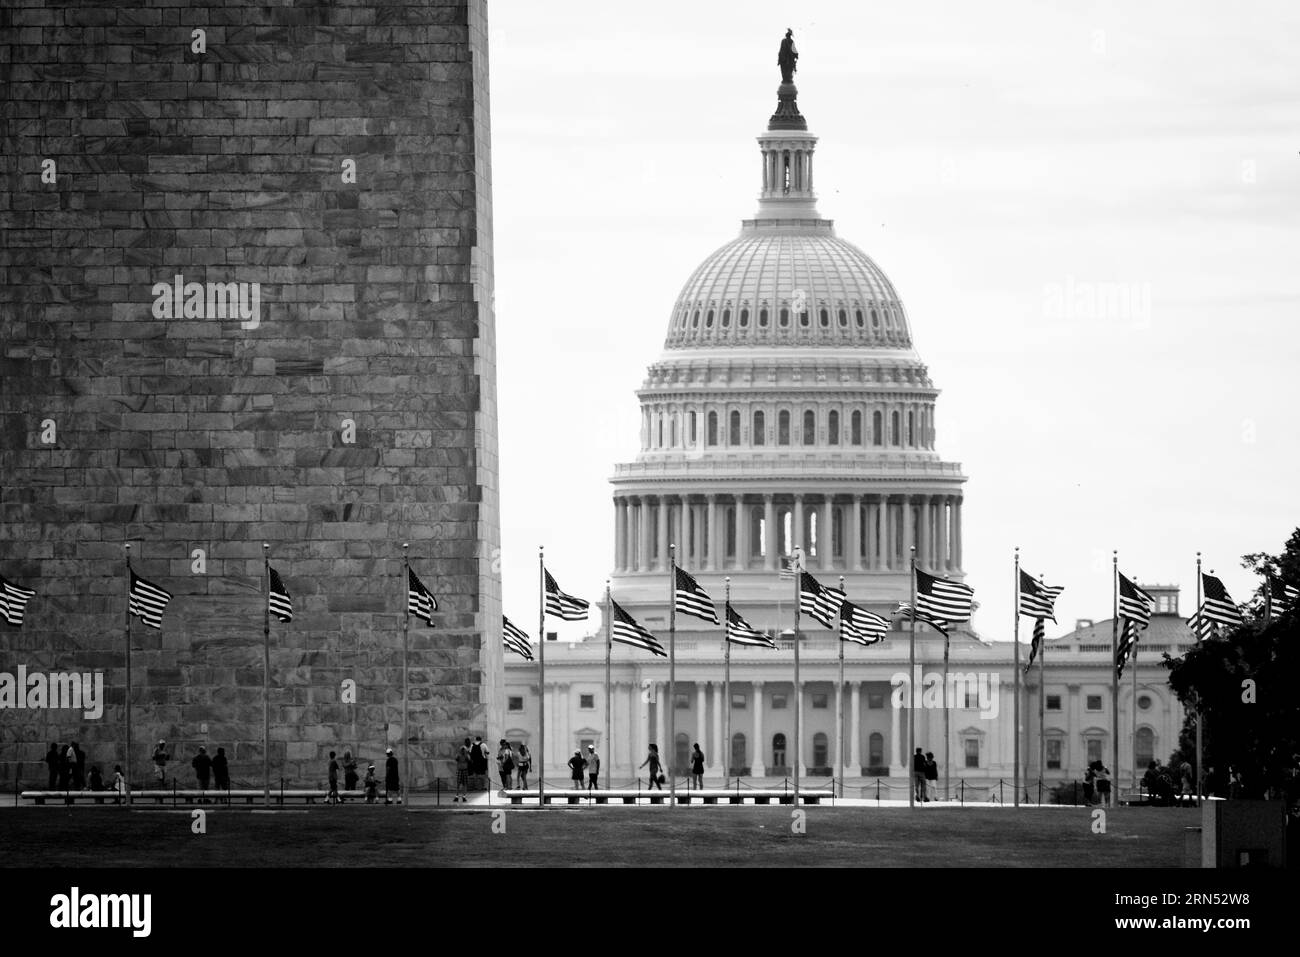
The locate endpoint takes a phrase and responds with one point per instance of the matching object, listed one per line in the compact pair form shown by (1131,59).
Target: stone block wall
(335,158)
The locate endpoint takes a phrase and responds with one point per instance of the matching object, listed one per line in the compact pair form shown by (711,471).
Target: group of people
(67,767)
(472,763)
(370,785)
(1096,784)
(925,776)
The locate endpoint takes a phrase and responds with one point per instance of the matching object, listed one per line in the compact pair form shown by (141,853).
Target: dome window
(825,318)
(762,318)
(844,319)
(744,318)
(875,320)
(726,318)
(857,314)
(708,320)
(695,322)
(785,317)
(804,320)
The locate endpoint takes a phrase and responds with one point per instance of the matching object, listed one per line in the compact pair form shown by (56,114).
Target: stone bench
(655,796)
(183,796)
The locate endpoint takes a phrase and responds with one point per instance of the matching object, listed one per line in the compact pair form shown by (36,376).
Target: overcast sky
(1003,163)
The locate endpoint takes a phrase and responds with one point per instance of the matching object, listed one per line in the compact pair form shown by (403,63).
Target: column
(717,757)
(642,535)
(909,528)
(713,562)
(941,523)
(887,559)
(741,519)
(619,541)
(826,535)
(836,757)
(662,533)
(923,535)
(758,747)
(854,768)
(855,534)
(701,718)
(797,530)
(769,525)
(956,535)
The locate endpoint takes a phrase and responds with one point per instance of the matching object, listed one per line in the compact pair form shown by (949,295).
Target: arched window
(661,430)
(877,429)
(778,751)
(893,428)
(876,750)
(708,320)
(1144,748)
(833,428)
(757,533)
(855,425)
(804,319)
(712,427)
(762,318)
(695,320)
(733,431)
(760,431)
(821,756)
(875,319)
(911,428)
(810,427)
(783,427)
(690,419)
(785,317)
(672,431)
(744,318)
(726,318)
(738,754)
(682,754)
(844,319)
(825,318)
(857,317)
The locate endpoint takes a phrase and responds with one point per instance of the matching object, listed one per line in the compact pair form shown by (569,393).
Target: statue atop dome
(787,57)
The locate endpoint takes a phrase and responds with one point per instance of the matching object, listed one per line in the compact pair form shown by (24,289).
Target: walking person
(1103,785)
(462,774)
(202,765)
(505,764)
(918,775)
(332,771)
(350,776)
(160,759)
(392,784)
(524,765)
(576,764)
(593,769)
(52,760)
(221,771)
(656,774)
(931,777)
(697,768)
(371,784)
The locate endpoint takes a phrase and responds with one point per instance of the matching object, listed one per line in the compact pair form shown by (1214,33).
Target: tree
(1245,682)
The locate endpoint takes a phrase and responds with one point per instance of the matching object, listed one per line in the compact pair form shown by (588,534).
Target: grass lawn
(721,836)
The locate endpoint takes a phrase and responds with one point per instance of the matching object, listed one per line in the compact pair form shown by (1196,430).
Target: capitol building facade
(789,414)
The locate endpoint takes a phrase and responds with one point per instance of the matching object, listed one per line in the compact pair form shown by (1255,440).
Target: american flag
(1127,642)
(561,605)
(818,601)
(147,601)
(1036,599)
(1282,595)
(419,600)
(1201,626)
(624,629)
(941,599)
(278,599)
(13,601)
(515,639)
(861,626)
(1134,603)
(740,632)
(905,607)
(1040,632)
(692,599)
(1217,605)
(789,567)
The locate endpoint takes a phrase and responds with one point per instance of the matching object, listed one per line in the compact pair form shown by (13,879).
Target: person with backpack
(350,776)
(462,775)
(593,769)
(505,764)
(918,776)
(697,767)
(656,767)
(1103,785)
(478,763)
(371,784)
(221,771)
(524,765)
(931,777)
(576,764)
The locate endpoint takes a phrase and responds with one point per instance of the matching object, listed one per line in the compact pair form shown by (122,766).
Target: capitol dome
(788,281)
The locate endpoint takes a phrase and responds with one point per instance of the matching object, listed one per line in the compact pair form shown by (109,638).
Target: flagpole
(266,675)
(609,650)
(127,704)
(406,667)
(725,747)
(839,697)
(947,747)
(1200,720)
(1114,660)
(541,676)
(797,554)
(1133,663)
(1015,709)
(1042,710)
(671,744)
(911,692)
